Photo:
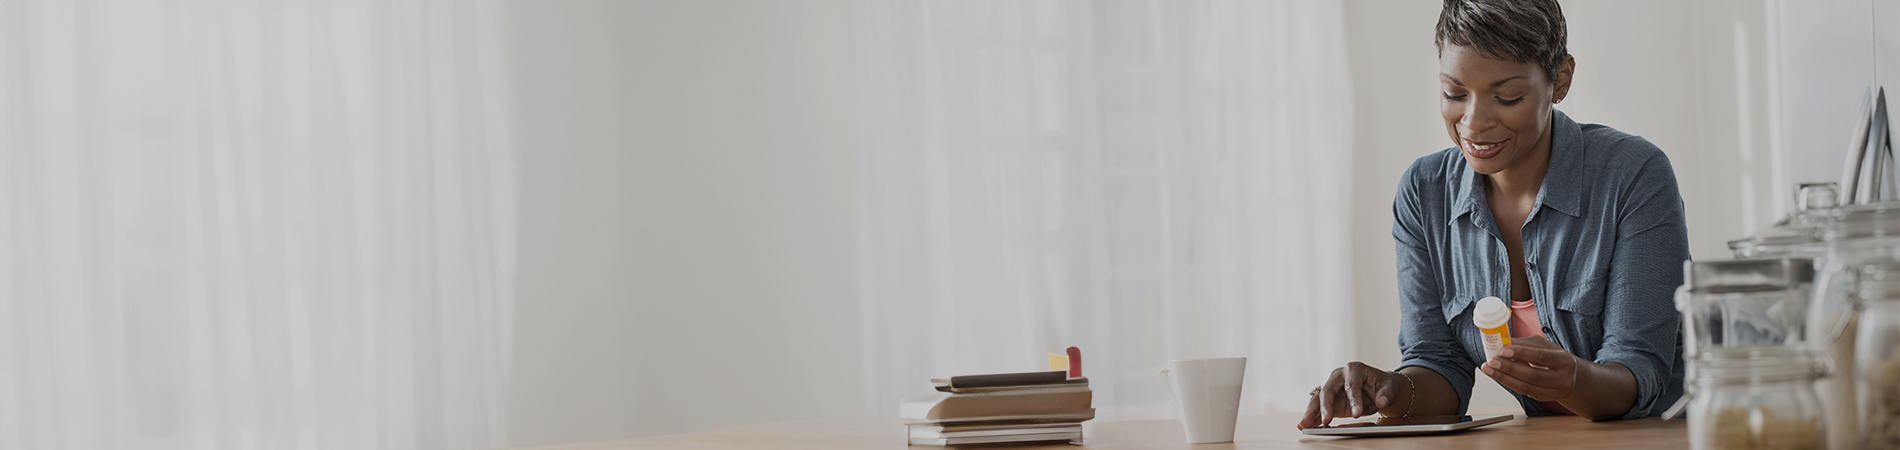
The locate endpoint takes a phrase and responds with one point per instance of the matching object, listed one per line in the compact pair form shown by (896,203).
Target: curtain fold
(1147,180)
(254,225)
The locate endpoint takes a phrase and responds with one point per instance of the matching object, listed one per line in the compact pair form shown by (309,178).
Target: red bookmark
(1075,362)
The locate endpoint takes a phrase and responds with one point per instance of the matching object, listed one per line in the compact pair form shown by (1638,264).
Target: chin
(1484,166)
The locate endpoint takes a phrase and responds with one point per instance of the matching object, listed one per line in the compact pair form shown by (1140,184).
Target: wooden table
(1271,431)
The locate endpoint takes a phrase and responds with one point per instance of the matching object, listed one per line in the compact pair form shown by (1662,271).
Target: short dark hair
(1530,31)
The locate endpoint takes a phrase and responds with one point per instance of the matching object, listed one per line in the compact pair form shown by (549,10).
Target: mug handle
(1167,384)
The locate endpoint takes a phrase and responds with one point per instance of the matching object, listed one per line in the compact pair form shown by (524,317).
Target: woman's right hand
(1355,390)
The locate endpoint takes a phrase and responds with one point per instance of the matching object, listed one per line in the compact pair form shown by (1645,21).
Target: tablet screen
(1402,421)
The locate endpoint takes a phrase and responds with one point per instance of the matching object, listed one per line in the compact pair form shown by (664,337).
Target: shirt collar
(1560,190)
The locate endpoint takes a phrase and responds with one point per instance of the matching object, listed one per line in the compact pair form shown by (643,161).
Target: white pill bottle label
(1493,344)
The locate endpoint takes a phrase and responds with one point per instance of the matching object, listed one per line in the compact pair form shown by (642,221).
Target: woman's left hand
(1535,367)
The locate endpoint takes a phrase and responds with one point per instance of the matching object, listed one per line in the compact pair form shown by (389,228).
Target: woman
(1580,225)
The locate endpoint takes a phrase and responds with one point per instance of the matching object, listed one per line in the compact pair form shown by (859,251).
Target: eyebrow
(1454,80)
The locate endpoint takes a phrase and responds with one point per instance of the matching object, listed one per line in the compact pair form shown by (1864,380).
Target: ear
(1564,73)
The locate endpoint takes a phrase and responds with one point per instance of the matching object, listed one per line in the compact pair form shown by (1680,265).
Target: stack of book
(1011,407)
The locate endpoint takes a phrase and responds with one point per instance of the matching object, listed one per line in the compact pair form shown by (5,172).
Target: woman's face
(1496,111)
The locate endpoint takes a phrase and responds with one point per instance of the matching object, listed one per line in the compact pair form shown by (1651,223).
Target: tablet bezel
(1400,430)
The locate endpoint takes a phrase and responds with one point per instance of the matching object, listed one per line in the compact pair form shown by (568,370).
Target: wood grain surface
(1270,431)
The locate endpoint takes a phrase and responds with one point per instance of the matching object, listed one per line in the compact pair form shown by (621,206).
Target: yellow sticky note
(1058,362)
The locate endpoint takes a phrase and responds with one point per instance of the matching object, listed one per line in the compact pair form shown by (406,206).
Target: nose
(1478,117)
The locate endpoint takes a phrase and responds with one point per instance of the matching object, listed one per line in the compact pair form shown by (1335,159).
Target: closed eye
(1455,98)
(1511,101)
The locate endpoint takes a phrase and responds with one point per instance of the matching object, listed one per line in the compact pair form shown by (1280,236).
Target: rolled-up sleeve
(1641,326)
(1425,340)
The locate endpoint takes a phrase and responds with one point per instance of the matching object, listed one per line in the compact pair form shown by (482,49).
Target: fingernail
(1384,398)
(1506,353)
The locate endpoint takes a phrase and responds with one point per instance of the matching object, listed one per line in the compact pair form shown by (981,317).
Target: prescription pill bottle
(1494,321)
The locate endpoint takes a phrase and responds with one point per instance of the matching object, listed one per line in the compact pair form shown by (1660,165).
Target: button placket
(1504,268)
(1546,310)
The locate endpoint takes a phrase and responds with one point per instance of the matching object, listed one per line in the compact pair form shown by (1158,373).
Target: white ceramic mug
(1206,395)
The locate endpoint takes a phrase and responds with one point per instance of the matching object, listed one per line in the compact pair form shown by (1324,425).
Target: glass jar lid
(1780,242)
(1799,234)
(1868,221)
(1747,275)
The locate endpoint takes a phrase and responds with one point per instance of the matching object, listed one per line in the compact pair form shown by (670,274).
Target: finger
(1386,395)
(1355,388)
(1329,396)
(1520,386)
(1496,370)
(1311,417)
(1522,370)
(1547,357)
(1534,341)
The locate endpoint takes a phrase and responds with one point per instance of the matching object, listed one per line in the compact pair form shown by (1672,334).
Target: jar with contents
(1756,398)
(1862,266)
(1751,378)
(1878,357)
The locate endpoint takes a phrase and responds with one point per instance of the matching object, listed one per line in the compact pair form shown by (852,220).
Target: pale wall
(686,249)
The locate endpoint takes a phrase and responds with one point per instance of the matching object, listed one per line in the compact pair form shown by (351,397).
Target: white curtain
(253,225)
(1147,180)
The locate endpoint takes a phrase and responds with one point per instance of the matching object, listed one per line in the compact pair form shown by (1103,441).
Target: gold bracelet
(1414,401)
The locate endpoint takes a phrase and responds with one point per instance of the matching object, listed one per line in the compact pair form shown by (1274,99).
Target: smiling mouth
(1484,150)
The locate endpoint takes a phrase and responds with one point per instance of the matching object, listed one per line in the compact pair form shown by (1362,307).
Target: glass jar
(1756,398)
(1862,265)
(1878,357)
(1744,303)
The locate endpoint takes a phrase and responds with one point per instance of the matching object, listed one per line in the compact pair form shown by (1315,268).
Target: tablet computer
(1401,426)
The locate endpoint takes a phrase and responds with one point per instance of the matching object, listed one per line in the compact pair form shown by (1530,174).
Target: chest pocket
(1579,317)
(1455,306)
(1584,298)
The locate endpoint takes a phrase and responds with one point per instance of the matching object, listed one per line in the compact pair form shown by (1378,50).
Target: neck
(1522,180)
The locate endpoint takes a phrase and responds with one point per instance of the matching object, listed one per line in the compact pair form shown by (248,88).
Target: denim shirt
(1603,250)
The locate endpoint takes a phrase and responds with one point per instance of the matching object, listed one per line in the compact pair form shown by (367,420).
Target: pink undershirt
(1524,323)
